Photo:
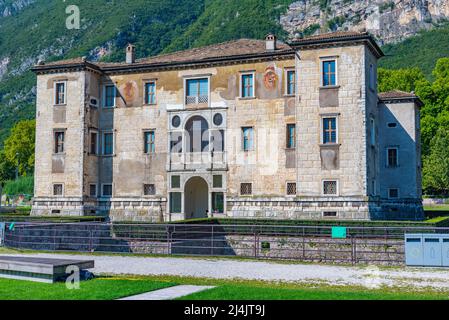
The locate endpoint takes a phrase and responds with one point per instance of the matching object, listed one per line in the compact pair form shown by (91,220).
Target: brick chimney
(270,41)
(130,54)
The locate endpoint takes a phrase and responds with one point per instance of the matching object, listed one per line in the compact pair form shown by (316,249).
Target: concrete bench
(39,269)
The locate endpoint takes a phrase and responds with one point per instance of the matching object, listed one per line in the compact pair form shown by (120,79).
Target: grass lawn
(260,290)
(439,207)
(108,288)
(96,289)
(230,292)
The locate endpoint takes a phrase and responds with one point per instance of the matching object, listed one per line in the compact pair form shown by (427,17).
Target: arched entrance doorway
(196,199)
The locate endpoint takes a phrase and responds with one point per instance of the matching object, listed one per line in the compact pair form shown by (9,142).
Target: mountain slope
(32,30)
(420,51)
(38,32)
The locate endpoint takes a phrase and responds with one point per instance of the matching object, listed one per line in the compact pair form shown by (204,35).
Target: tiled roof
(331,36)
(347,37)
(234,48)
(64,62)
(396,94)
(231,50)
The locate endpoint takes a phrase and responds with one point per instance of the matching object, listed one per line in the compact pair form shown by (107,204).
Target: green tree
(7,169)
(400,79)
(19,146)
(436,165)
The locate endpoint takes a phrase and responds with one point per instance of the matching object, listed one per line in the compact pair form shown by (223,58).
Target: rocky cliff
(11,7)
(389,20)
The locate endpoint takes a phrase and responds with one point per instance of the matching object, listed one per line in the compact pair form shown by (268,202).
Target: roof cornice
(140,67)
(411,98)
(364,38)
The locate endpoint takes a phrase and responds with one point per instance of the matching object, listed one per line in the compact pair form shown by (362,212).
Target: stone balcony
(197,161)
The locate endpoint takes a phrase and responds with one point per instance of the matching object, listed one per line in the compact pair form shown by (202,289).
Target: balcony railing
(197,160)
(197,99)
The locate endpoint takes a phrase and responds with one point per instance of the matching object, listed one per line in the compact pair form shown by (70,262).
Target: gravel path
(269,271)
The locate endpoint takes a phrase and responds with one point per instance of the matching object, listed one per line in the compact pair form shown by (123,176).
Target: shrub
(23,185)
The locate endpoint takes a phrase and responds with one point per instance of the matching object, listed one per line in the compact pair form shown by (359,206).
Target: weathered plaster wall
(351,109)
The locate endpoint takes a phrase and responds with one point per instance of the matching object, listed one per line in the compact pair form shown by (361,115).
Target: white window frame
(145,92)
(286,71)
(399,193)
(102,190)
(104,96)
(397,156)
(337,126)
(96,190)
(253,136)
(145,131)
(246,73)
(53,189)
(65,92)
(337,194)
(103,133)
(328,59)
(204,76)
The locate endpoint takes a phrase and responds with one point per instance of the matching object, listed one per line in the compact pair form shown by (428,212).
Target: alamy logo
(73,20)
(72,282)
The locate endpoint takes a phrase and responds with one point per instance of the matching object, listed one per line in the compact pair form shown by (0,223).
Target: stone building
(243,129)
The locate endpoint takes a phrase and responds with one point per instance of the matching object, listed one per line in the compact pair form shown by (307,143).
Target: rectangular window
(330,188)
(246,189)
(149,142)
(329,214)
(393,193)
(291,82)
(108,143)
(150,93)
(175,202)
(149,189)
(291,136)
(217,181)
(329,73)
(372,77)
(93,143)
(248,138)
(217,202)
(373,131)
(106,190)
(197,91)
(175,182)
(60,93)
(392,157)
(109,96)
(247,84)
(329,130)
(57,189)
(59,141)
(291,188)
(93,190)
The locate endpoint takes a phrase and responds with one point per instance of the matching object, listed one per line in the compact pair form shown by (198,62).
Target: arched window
(197,130)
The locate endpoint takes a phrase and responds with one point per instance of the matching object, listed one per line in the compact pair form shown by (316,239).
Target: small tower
(130,54)
(270,41)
